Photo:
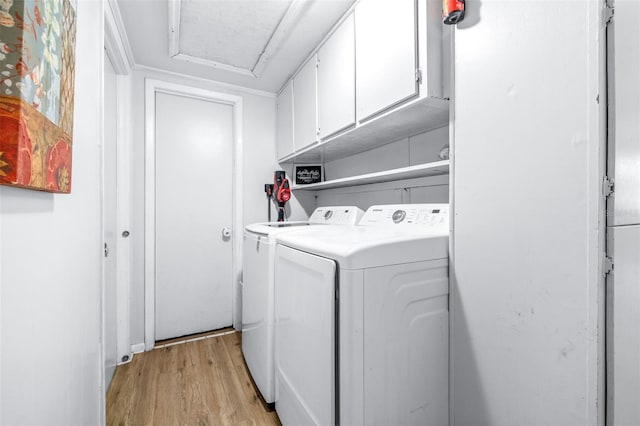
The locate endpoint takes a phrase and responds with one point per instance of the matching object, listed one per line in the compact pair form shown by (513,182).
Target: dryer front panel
(305,293)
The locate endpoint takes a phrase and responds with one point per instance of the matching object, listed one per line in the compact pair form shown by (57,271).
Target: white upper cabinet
(285,120)
(386,54)
(337,80)
(305,112)
(624,110)
(380,75)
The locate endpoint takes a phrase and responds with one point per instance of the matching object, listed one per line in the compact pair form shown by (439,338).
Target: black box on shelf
(308,173)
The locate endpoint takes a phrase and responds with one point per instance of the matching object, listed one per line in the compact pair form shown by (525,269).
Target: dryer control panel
(336,215)
(432,216)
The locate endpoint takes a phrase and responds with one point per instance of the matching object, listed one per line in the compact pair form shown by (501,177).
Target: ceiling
(251,43)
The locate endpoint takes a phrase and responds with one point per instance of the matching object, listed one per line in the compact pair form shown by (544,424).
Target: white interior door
(110,221)
(194,153)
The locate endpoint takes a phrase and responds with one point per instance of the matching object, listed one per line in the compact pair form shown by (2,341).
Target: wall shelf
(421,170)
(417,116)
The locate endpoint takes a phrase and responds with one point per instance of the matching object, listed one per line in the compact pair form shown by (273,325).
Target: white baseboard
(137,348)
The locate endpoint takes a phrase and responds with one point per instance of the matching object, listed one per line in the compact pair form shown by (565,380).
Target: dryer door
(305,338)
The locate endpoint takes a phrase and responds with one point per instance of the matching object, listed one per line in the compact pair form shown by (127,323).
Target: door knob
(226,233)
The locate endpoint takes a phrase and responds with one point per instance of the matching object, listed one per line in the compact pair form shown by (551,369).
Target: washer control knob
(328,215)
(398,216)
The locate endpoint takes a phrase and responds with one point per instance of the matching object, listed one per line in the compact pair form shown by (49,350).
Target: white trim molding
(278,37)
(174,27)
(116,45)
(152,87)
(213,84)
(116,41)
(124,152)
(213,64)
(137,348)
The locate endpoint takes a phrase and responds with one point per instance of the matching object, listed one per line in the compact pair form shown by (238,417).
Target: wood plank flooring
(203,382)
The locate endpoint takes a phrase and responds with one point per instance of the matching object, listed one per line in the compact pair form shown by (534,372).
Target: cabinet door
(305,112)
(623,326)
(624,113)
(336,80)
(386,54)
(285,121)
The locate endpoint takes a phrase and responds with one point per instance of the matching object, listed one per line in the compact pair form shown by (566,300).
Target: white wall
(259,164)
(418,149)
(527,233)
(51,270)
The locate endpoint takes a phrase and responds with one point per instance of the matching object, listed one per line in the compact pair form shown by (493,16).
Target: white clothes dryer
(362,320)
(257,289)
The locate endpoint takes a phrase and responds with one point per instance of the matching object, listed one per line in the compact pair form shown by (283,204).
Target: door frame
(153,86)
(117,48)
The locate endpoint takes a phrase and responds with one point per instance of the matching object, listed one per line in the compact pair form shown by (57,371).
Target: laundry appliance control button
(398,216)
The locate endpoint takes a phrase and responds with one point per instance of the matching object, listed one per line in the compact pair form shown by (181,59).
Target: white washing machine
(362,320)
(257,289)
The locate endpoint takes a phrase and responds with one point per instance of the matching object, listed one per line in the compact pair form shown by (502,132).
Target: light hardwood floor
(203,382)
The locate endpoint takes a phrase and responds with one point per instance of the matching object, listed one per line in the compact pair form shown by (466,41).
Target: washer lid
(273,228)
(360,247)
(331,215)
(386,235)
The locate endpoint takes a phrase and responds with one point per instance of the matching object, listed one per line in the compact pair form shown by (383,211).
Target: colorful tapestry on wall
(37,66)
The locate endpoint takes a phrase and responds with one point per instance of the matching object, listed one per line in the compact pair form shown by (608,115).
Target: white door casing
(117,49)
(109,219)
(153,87)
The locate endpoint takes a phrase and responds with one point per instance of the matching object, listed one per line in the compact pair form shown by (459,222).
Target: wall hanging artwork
(37,64)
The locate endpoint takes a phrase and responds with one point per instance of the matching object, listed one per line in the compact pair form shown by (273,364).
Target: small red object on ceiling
(452,11)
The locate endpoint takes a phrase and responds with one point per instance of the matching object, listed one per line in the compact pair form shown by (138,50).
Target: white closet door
(623,360)
(386,54)
(305,112)
(623,284)
(337,80)
(194,152)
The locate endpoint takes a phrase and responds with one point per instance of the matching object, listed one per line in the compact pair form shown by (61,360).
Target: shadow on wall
(471,14)
(468,405)
(19,201)
(300,207)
